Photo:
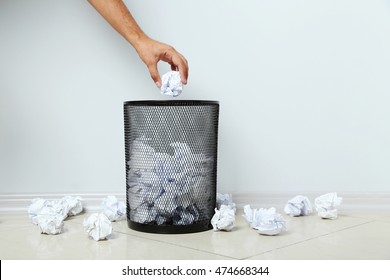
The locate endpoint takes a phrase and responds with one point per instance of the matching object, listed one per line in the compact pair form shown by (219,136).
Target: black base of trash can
(171,165)
(168,229)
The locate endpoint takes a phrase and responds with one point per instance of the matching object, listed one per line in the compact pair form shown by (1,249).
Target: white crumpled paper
(326,205)
(98,226)
(50,214)
(265,221)
(49,221)
(171,84)
(73,204)
(168,188)
(114,210)
(298,206)
(224,218)
(225,199)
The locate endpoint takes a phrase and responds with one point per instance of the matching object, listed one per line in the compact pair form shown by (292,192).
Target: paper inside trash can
(168,189)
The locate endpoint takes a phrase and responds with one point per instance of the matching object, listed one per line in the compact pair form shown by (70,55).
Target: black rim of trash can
(170,229)
(170,102)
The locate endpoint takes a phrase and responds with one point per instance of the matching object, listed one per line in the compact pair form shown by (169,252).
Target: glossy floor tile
(353,235)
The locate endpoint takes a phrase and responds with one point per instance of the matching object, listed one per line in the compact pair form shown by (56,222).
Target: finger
(180,63)
(183,69)
(155,75)
(177,62)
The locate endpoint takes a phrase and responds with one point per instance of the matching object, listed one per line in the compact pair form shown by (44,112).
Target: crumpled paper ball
(49,221)
(35,208)
(171,84)
(98,226)
(265,221)
(326,205)
(225,199)
(298,206)
(72,204)
(50,214)
(114,210)
(167,188)
(224,218)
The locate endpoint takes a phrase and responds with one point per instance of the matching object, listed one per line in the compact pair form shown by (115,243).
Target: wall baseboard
(19,203)
(358,201)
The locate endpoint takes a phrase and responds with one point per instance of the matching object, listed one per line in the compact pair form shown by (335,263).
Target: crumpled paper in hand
(171,84)
(326,205)
(224,218)
(298,206)
(114,210)
(265,221)
(98,226)
(50,214)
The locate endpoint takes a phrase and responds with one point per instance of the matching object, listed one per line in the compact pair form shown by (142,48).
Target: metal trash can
(171,164)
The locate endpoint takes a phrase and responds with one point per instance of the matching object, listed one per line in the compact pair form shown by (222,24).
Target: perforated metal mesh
(171,164)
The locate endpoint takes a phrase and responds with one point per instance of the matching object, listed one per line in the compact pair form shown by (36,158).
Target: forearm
(118,16)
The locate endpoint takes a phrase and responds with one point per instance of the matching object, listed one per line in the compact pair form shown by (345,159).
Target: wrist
(137,39)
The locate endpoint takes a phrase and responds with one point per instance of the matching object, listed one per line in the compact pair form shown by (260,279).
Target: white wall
(304,90)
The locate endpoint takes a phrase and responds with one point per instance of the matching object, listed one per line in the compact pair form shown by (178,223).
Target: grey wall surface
(303,87)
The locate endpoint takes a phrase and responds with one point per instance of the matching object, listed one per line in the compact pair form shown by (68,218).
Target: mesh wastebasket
(171,164)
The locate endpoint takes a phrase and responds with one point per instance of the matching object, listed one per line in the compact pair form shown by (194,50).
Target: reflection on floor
(353,235)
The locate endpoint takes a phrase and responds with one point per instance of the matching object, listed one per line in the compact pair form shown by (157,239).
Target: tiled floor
(353,235)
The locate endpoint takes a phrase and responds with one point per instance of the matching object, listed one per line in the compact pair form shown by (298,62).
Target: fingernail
(158,84)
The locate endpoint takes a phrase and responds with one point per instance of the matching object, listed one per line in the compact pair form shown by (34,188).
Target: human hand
(152,51)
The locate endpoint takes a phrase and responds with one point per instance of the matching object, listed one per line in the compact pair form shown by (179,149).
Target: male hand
(152,51)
